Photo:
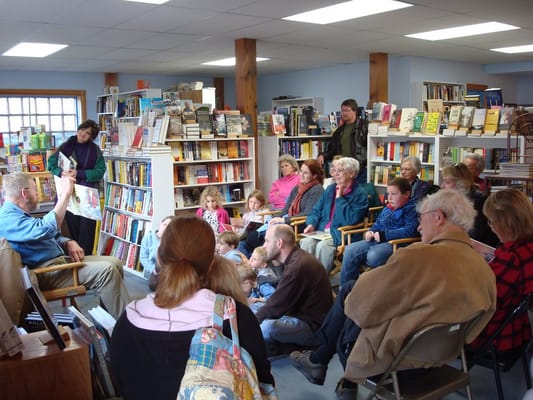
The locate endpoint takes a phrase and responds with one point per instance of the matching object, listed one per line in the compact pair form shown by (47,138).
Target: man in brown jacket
(441,279)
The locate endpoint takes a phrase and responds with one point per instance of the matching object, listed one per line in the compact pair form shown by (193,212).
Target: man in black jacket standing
(349,139)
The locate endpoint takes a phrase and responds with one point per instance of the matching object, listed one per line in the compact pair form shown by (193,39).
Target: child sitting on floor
(227,243)
(267,274)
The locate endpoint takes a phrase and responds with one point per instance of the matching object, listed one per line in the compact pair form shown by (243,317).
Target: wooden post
(111,79)
(246,82)
(219,93)
(379,78)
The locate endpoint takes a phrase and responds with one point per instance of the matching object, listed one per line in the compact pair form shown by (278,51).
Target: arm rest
(396,242)
(74,266)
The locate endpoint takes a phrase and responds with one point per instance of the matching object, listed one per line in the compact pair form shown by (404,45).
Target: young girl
(211,209)
(255,204)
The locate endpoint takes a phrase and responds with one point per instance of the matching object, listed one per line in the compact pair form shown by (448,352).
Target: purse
(218,368)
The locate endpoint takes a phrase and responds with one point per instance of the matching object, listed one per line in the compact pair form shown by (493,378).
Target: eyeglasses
(30,188)
(424,213)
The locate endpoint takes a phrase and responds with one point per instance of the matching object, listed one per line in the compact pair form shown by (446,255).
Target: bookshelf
(434,151)
(451,93)
(137,190)
(300,147)
(291,109)
(227,163)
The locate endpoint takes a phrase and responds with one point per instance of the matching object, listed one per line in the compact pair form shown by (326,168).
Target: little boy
(249,286)
(227,243)
(267,274)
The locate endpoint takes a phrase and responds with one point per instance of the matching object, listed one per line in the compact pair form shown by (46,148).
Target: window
(60,111)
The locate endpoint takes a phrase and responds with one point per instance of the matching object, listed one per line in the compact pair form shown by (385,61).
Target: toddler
(249,286)
(149,245)
(211,209)
(227,247)
(267,274)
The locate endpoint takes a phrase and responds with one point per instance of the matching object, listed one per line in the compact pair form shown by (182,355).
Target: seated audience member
(300,202)
(254,205)
(40,243)
(343,203)
(227,243)
(149,245)
(302,298)
(150,342)
(211,209)
(268,275)
(397,220)
(442,279)
(328,181)
(510,215)
(476,164)
(281,188)
(409,169)
(458,177)
(249,287)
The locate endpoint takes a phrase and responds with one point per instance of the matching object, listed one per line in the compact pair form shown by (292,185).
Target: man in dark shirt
(303,297)
(349,139)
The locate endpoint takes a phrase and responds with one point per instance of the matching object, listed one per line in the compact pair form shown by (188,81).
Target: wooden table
(45,372)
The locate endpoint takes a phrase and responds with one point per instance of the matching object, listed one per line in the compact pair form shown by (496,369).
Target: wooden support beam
(219,93)
(246,82)
(379,78)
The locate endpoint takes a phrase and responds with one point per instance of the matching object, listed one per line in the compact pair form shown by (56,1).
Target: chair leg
(465,370)
(396,385)
(498,379)
(525,366)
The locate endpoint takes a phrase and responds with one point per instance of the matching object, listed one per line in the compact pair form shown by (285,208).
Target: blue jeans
(362,252)
(288,330)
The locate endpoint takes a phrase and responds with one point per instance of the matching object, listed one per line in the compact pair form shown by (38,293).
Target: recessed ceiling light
(26,49)
(228,62)
(149,1)
(527,48)
(347,10)
(462,31)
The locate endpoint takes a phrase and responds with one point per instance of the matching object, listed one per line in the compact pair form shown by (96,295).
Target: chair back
(435,344)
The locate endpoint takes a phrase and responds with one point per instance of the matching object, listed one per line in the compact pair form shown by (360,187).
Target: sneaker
(315,373)
(346,390)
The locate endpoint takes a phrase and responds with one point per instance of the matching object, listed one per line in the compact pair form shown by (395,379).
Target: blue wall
(333,84)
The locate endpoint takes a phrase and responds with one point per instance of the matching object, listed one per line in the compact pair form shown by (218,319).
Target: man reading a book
(40,243)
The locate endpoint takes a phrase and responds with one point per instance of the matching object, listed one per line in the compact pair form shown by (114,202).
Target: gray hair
(415,162)
(455,206)
(12,184)
(288,159)
(478,158)
(349,164)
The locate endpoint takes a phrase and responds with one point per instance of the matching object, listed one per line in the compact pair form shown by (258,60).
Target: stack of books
(517,170)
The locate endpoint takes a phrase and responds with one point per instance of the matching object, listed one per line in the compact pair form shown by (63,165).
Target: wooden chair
(69,292)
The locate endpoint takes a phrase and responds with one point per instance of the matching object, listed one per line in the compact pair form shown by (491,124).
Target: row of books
(211,173)
(190,197)
(296,121)
(136,173)
(446,92)
(129,199)
(303,149)
(127,252)
(123,226)
(105,104)
(493,157)
(397,151)
(383,174)
(219,150)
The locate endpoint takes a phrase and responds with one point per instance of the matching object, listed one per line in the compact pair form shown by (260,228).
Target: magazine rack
(522,125)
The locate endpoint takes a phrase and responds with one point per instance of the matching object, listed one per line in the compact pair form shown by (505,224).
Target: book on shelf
(467,116)
(219,125)
(478,120)
(396,119)
(388,110)
(506,117)
(233,123)
(492,119)
(407,119)
(103,321)
(454,117)
(435,105)
(433,123)
(247,124)
(205,123)
(419,122)
(138,138)
(324,124)
(278,124)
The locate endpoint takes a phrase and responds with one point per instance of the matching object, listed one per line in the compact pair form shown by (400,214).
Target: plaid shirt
(513,267)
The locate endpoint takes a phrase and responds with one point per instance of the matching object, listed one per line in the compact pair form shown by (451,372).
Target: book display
(138,190)
(227,163)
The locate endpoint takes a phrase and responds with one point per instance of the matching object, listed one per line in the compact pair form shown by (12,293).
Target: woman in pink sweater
(281,188)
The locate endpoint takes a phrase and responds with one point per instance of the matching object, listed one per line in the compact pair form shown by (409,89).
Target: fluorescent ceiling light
(149,1)
(26,49)
(228,62)
(462,31)
(347,10)
(527,48)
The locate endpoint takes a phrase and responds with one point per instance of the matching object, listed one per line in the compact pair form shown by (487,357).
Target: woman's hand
(309,228)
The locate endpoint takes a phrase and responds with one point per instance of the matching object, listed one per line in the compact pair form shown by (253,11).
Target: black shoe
(346,390)
(315,373)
